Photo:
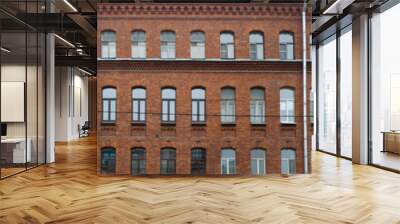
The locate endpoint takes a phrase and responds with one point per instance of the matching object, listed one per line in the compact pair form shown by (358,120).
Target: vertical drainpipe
(305,125)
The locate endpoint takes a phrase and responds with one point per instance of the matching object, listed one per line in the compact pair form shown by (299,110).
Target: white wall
(71,102)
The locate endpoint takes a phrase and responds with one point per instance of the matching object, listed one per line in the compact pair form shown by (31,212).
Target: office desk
(391,141)
(13,150)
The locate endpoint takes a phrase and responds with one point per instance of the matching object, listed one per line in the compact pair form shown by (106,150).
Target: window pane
(232,166)
(228,93)
(224,167)
(139,93)
(261,166)
(168,93)
(231,51)
(202,111)
(226,38)
(194,111)
(228,153)
(104,51)
(165,110)
(109,93)
(260,51)
(142,110)
(113,50)
(198,94)
(172,111)
(292,166)
(108,161)
(135,110)
(254,167)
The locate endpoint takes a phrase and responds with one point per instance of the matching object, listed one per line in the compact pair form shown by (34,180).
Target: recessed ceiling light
(64,40)
(5,50)
(70,5)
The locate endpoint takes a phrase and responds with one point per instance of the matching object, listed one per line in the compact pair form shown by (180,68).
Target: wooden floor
(70,192)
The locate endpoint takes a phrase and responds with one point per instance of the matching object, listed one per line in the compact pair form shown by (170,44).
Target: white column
(360,89)
(50,94)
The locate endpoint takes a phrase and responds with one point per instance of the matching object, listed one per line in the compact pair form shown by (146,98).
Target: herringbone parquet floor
(70,192)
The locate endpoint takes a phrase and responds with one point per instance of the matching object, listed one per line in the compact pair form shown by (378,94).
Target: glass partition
(327,95)
(22,77)
(346,93)
(385,89)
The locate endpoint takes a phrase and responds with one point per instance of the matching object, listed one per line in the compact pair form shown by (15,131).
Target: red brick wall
(213,137)
(271,19)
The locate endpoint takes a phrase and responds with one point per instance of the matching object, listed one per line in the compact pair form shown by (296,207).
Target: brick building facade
(243,83)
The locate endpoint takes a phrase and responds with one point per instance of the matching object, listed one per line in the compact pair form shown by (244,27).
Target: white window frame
(287,117)
(168,47)
(227,47)
(108,47)
(291,166)
(198,115)
(256,47)
(226,106)
(257,105)
(284,46)
(141,104)
(170,110)
(227,160)
(139,45)
(197,47)
(258,160)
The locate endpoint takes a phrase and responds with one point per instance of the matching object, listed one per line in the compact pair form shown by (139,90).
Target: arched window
(228,161)
(256,40)
(138,163)
(286,46)
(257,106)
(108,44)
(197,45)
(228,105)
(168,96)
(168,44)
(227,47)
(198,105)
(198,161)
(109,101)
(257,162)
(168,161)
(287,106)
(288,161)
(108,161)
(139,105)
(138,39)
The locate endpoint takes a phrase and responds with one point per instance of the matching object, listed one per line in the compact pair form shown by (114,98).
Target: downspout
(305,125)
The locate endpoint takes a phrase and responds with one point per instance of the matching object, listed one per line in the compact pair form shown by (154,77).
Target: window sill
(228,124)
(202,124)
(168,124)
(109,123)
(259,125)
(288,124)
(138,123)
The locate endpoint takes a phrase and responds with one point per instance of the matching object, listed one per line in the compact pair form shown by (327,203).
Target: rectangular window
(139,49)
(167,50)
(109,110)
(198,110)
(139,110)
(256,51)
(168,110)
(197,50)
(228,111)
(257,112)
(227,51)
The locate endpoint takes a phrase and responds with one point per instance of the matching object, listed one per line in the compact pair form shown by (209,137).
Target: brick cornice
(222,66)
(194,9)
